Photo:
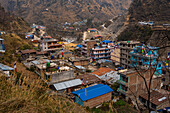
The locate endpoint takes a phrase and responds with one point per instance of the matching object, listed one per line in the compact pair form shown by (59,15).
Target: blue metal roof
(79,46)
(106,41)
(5,67)
(93,91)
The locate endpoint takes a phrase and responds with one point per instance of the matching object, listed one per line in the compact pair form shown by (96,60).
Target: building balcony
(101,57)
(122,82)
(99,49)
(84,48)
(144,56)
(95,53)
(84,51)
(122,91)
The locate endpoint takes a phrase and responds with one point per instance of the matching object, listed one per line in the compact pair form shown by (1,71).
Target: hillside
(146,10)
(11,23)
(59,11)
(150,10)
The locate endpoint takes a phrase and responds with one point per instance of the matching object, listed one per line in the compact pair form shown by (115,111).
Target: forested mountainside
(59,11)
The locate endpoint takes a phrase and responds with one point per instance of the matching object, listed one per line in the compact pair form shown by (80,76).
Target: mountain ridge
(60,11)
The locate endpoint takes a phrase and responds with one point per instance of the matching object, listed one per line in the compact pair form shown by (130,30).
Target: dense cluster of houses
(87,74)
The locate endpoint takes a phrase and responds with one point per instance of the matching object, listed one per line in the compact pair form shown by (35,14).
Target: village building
(5,70)
(107,75)
(26,54)
(145,56)
(79,61)
(101,51)
(67,86)
(88,79)
(125,48)
(50,45)
(157,100)
(115,55)
(131,83)
(93,96)
(52,72)
(166,77)
(70,46)
(87,46)
(63,54)
(2,46)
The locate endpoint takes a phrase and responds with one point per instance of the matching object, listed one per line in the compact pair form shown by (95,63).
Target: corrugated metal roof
(67,84)
(93,92)
(36,62)
(5,67)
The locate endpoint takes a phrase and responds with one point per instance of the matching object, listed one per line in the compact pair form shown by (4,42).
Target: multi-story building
(2,47)
(115,55)
(144,57)
(100,52)
(87,45)
(50,45)
(131,83)
(125,48)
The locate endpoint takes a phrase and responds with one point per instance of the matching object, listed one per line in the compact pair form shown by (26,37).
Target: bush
(120,103)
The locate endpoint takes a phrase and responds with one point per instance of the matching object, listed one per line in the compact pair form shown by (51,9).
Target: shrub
(120,103)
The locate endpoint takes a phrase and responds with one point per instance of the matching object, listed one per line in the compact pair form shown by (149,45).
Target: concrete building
(79,61)
(87,45)
(115,55)
(53,72)
(88,79)
(93,96)
(2,46)
(166,77)
(157,100)
(100,52)
(125,48)
(145,56)
(66,54)
(132,83)
(107,75)
(50,45)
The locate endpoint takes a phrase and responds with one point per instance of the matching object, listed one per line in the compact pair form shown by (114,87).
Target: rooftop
(1,39)
(92,92)
(28,51)
(156,97)
(88,79)
(67,84)
(129,42)
(77,59)
(101,71)
(5,67)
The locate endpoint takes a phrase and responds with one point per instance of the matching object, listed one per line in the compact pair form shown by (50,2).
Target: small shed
(67,86)
(93,96)
(5,69)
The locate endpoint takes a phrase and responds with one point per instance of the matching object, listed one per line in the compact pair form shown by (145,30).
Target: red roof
(47,37)
(101,71)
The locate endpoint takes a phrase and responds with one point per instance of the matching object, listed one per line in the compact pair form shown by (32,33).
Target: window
(163,72)
(153,106)
(163,79)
